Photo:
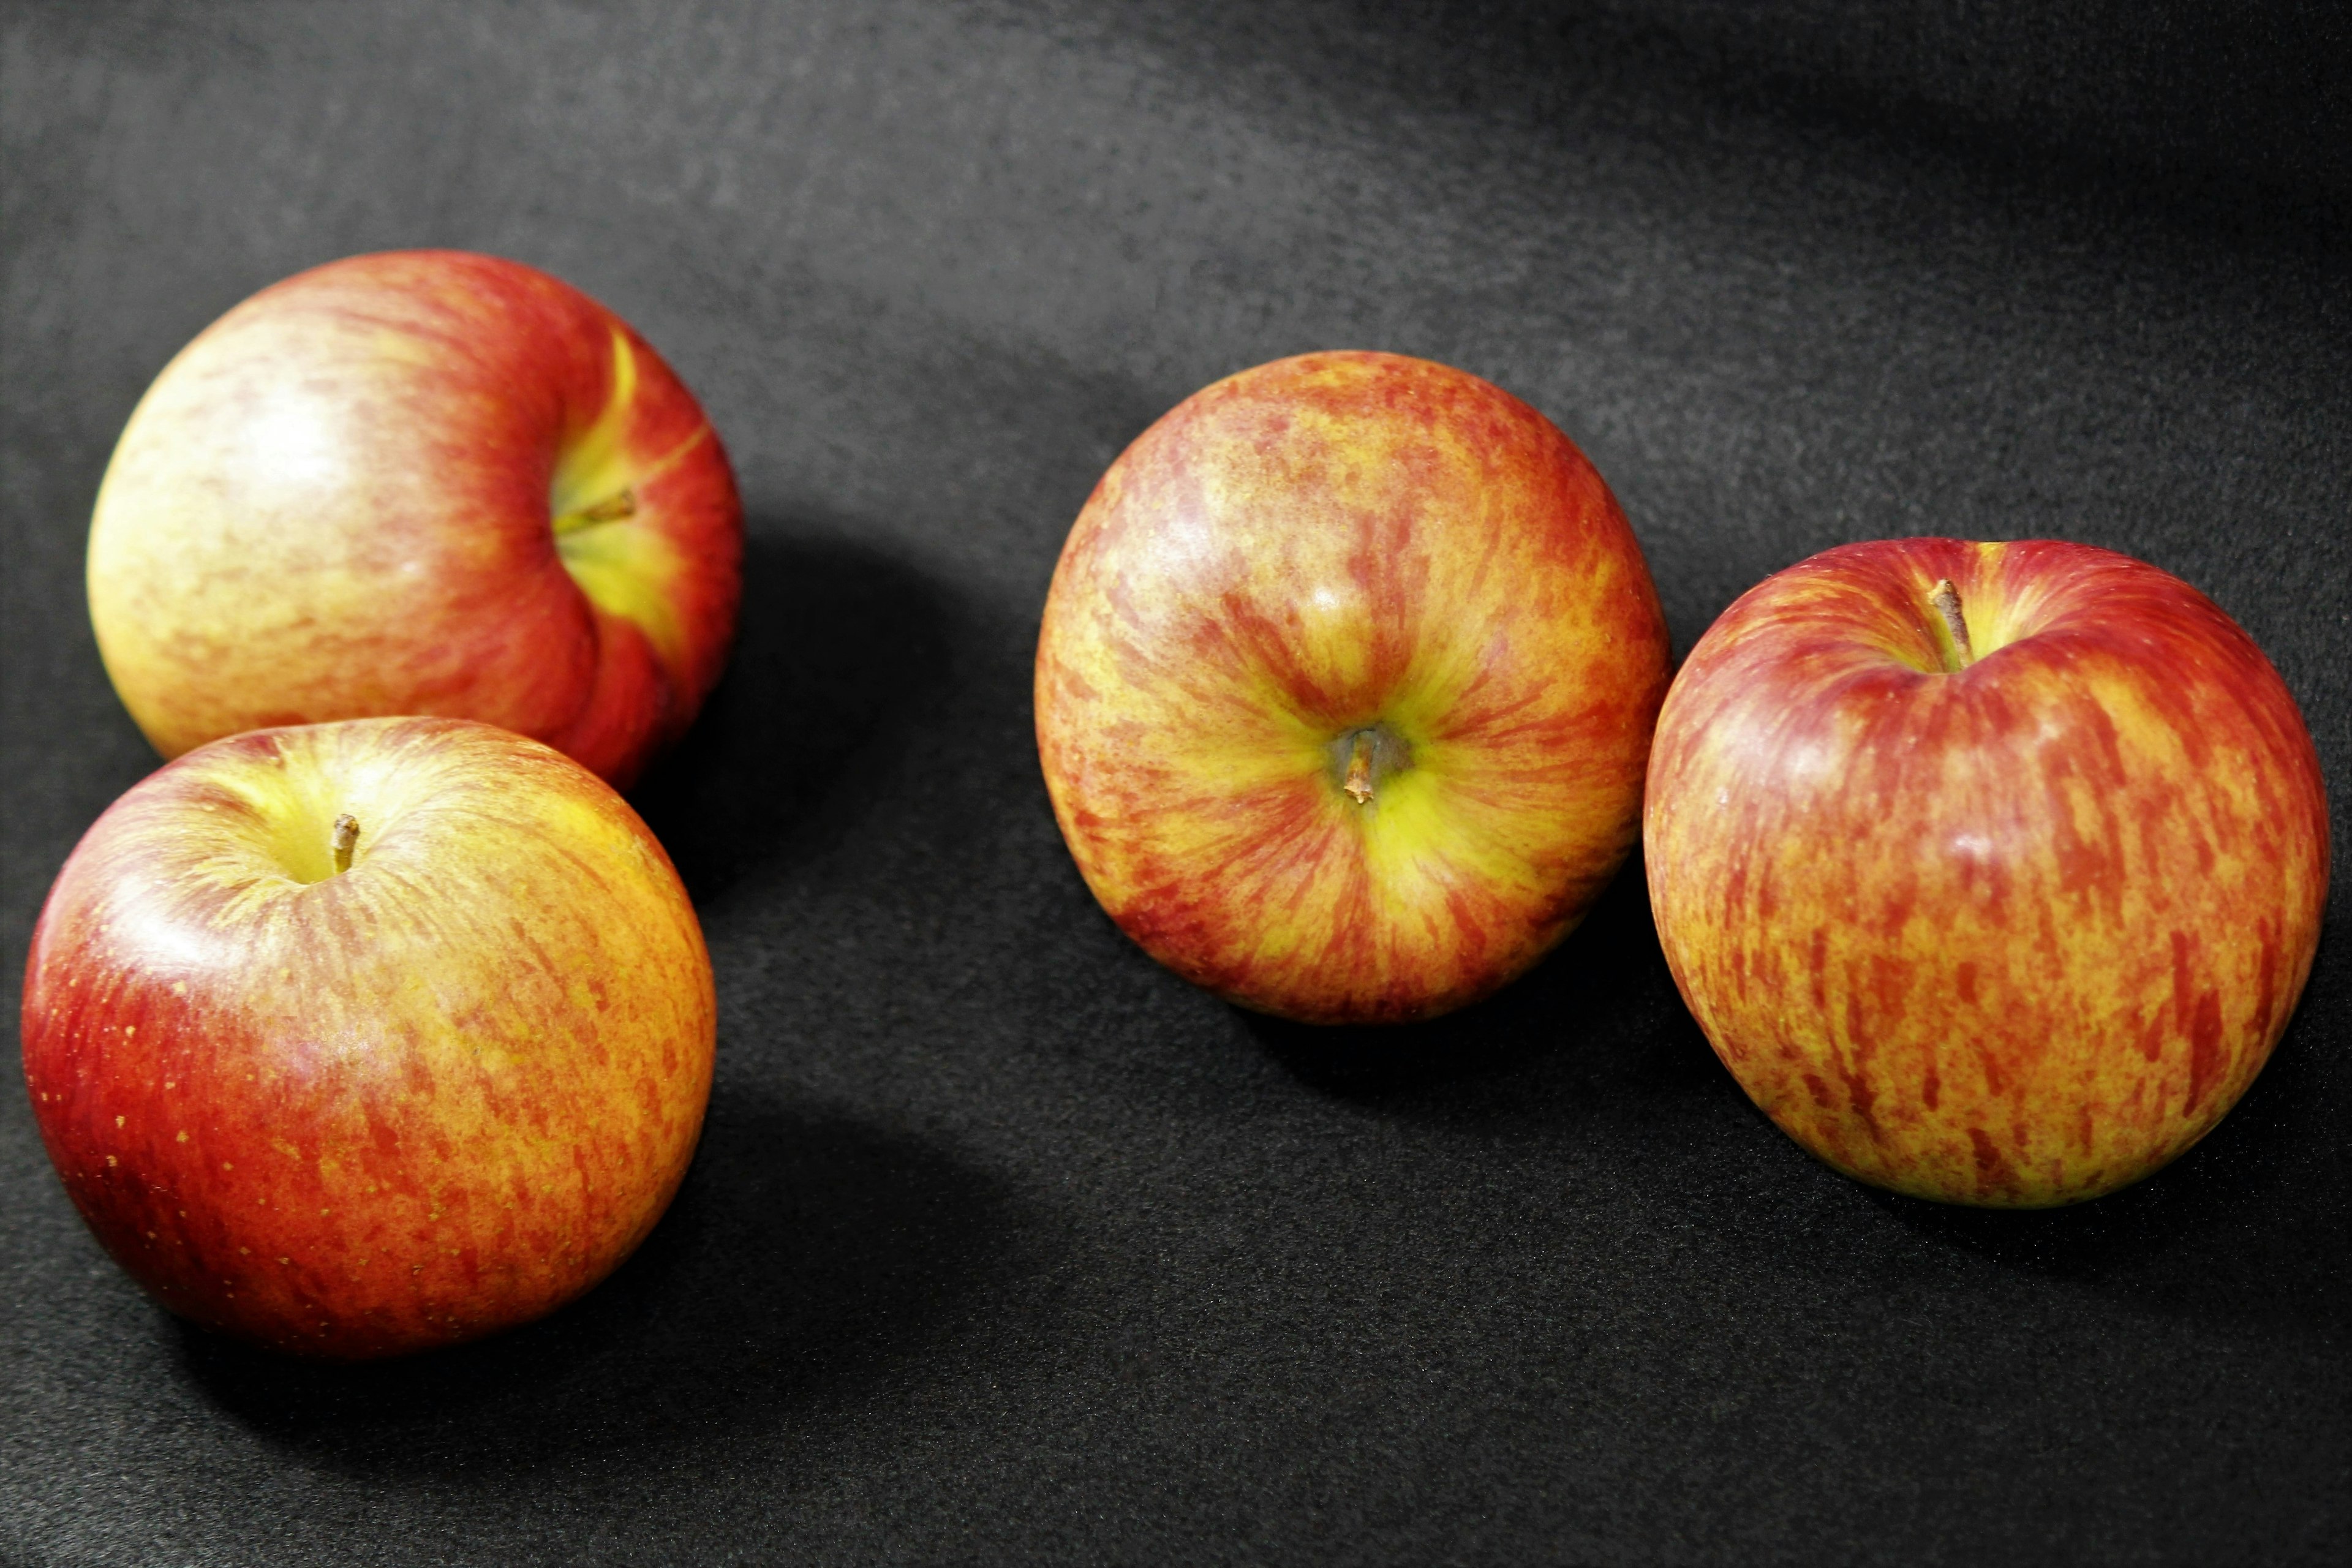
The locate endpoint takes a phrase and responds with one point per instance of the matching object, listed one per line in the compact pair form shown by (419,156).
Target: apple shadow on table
(2246,1228)
(837,649)
(1597,1033)
(1599,1014)
(805,1253)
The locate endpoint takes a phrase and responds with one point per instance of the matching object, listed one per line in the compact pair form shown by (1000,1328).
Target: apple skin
(351,1115)
(344,499)
(1327,546)
(2011,934)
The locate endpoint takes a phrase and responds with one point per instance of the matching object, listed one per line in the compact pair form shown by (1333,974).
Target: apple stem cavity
(347,837)
(1947,600)
(612,508)
(1359,769)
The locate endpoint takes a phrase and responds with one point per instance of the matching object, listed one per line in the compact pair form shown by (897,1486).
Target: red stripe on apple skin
(2092,861)
(439,1094)
(1305,549)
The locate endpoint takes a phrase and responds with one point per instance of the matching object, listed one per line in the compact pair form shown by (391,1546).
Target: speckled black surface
(1004,1245)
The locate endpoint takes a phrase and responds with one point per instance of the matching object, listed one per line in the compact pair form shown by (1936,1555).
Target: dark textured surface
(1003,1244)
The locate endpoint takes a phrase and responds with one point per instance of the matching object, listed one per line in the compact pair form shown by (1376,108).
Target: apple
(1345,685)
(1992,871)
(418,482)
(359,1038)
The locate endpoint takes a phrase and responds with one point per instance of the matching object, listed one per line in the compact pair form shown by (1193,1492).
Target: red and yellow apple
(1992,871)
(363,1037)
(1345,687)
(418,482)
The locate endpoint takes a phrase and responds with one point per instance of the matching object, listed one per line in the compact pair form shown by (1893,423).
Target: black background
(1003,1242)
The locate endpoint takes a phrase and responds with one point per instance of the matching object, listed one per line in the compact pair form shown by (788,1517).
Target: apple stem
(347,835)
(1359,769)
(612,508)
(1947,600)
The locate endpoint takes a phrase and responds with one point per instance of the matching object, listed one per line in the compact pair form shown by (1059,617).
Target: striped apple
(1992,871)
(1345,685)
(418,482)
(364,1037)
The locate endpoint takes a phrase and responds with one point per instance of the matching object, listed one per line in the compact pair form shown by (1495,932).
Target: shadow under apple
(2246,1228)
(1593,1045)
(1599,1014)
(807,1252)
(2242,1232)
(838,647)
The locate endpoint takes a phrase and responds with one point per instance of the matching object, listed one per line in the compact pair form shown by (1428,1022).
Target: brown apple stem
(612,508)
(347,835)
(1359,769)
(1947,600)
